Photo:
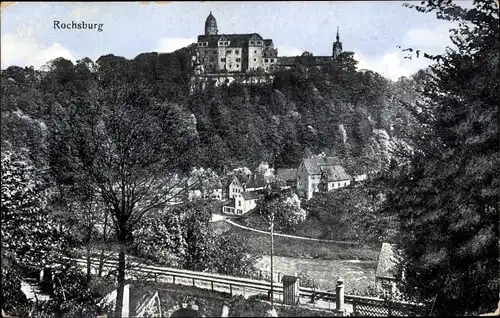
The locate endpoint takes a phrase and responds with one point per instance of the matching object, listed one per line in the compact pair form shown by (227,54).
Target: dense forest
(358,116)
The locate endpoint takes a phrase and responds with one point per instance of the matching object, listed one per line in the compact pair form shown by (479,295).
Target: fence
(375,307)
(361,306)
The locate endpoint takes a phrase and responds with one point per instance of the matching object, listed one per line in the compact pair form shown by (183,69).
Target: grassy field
(283,246)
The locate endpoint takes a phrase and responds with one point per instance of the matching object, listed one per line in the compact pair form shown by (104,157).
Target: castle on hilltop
(223,57)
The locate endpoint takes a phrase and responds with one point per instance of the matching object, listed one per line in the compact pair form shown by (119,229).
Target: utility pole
(272,252)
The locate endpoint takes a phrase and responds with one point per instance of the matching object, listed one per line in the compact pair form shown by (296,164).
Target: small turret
(337,46)
(211,25)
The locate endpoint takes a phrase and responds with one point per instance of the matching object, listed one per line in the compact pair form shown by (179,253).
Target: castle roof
(210,22)
(239,40)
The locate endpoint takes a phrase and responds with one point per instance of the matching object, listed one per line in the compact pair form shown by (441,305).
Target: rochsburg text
(77,25)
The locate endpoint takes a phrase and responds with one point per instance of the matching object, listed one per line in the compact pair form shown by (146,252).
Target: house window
(205,44)
(252,42)
(272,60)
(238,60)
(266,60)
(258,42)
(226,43)
(237,65)
(229,52)
(239,203)
(237,51)
(222,59)
(200,44)
(255,51)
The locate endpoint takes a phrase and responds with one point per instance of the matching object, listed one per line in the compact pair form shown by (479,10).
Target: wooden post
(231,290)
(193,282)
(156,279)
(212,283)
(339,290)
(173,277)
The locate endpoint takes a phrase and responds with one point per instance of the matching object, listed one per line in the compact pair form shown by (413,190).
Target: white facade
(235,188)
(338,184)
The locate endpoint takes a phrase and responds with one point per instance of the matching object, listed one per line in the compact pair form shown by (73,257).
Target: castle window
(237,51)
(238,60)
(265,60)
(222,59)
(229,52)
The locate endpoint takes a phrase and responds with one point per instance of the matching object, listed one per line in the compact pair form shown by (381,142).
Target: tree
(29,235)
(231,256)
(282,207)
(132,149)
(447,196)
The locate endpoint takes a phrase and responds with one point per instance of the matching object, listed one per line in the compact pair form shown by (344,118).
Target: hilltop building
(245,58)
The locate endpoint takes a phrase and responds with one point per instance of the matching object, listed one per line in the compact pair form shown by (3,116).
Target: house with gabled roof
(289,176)
(312,170)
(242,193)
(386,276)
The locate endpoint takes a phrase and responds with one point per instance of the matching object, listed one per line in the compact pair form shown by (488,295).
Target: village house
(243,194)
(289,176)
(312,170)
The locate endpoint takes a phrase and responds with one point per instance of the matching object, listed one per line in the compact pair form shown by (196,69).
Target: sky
(370,29)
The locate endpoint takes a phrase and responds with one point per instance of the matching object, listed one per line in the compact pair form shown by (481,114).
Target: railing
(361,306)
(191,277)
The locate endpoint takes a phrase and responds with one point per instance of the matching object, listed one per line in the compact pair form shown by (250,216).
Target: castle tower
(211,25)
(337,46)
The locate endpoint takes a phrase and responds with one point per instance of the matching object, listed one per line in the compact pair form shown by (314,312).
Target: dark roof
(386,261)
(313,164)
(238,40)
(229,203)
(256,181)
(242,178)
(287,174)
(210,21)
(250,195)
(334,173)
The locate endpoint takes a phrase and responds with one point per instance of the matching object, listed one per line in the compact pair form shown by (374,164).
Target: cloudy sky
(371,29)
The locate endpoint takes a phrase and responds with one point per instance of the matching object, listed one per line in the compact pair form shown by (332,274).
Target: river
(356,274)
